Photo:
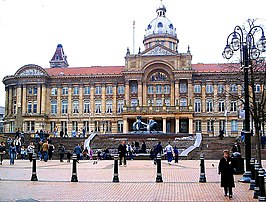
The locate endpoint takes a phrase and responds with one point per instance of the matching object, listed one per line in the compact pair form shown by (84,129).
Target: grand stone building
(158,83)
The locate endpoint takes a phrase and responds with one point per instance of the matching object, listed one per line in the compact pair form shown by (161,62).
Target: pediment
(31,70)
(158,50)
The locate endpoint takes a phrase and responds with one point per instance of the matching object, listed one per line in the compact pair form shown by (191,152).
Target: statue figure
(138,125)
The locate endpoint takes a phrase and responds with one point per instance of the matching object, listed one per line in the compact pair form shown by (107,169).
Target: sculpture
(138,125)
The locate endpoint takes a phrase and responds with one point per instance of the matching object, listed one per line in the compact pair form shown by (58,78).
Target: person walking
(2,151)
(12,153)
(169,152)
(176,154)
(30,150)
(51,149)
(77,151)
(61,151)
(45,147)
(122,150)
(226,171)
(23,153)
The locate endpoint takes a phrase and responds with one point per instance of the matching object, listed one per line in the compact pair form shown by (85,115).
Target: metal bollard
(159,169)
(261,185)
(74,177)
(256,187)
(34,173)
(252,169)
(116,178)
(202,169)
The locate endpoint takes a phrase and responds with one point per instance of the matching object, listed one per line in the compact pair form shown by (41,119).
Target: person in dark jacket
(2,151)
(226,171)
(78,151)
(122,150)
(61,151)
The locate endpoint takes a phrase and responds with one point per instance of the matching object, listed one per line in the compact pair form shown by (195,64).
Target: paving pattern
(137,182)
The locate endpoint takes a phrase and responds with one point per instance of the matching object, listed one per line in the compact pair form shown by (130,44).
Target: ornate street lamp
(249,50)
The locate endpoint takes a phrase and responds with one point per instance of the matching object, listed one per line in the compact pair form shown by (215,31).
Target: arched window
(159,76)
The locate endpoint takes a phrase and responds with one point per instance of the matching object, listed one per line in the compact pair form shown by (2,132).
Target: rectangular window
(209,105)
(76,90)
(210,127)
(166,89)
(150,102)
(222,125)
(197,88)
(158,89)
(134,102)
(197,105)
(54,91)
(75,106)
(234,127)
(97,126)
(221,106)
(29,107)
(12,126)
(150,90)
(87,90)
(98,106)
(159,102)
(65,91)
(14,107)
(220,88)
(183,88)
(209,88)
(183,102)
(120,126)
(74,126)
(53,106)
(233,106)
(86,126)
(64,106)
(109,106)
(109,90)
(86,106)
(257,88)
(167,102)
(35,90)
(121,89)
(108,126)
(98,90)
(32,125)
(134,88)
(198,126)
(120,106)
(35,107)
(30,91)
(233,88)
(52,126)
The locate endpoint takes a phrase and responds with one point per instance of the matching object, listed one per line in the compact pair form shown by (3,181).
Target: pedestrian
(242,136)
(226,171)
(9,141)
(221,134)
(2,151)
(122,150)
(236,149)
(61,133)
(158,149)
(23,153)
(263,141)
(40,151)
(45,147)
(176,154)
(68,156)
(169,152)
(22,137)
(30,150)
(61,151)
(129,152)
(17,144)
(143,147)
(78,151)
(51,149)
(12,153)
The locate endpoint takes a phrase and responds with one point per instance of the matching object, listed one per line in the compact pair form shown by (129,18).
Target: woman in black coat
(226,170)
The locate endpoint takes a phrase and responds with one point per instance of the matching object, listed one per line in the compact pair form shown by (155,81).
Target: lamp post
(249,50)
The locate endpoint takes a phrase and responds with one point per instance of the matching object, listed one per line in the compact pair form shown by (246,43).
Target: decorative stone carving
(158,51)
(31,72)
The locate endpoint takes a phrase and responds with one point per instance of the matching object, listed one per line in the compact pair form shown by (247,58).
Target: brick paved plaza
(137,182)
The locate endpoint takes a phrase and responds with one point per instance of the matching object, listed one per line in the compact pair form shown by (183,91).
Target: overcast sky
(98,32)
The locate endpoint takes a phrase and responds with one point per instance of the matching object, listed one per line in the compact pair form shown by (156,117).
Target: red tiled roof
(85,70)
(225,67)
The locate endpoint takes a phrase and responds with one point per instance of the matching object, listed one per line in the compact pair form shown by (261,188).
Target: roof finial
(188,49)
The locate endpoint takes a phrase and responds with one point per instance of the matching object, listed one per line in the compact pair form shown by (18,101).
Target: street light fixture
(248,51)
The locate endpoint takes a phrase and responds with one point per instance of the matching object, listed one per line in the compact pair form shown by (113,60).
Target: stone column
(125,125)
(24,99)
(114,126)
(164,124)
(48,101)
(190,92)
(144,100)
(6,101)
(92,103)
(127,93)
(114,101)
(103,99)
(59,92)
(43,99)
(176,91)
(81,99)
(10,101)
(203,102)
(69,100)
(172,99)
(39,99)
(216,128)
(215,99)
(190,128)
(140,93)
(177,125)
(19,91)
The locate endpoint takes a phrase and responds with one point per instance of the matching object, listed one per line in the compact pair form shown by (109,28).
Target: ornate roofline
(31,70)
